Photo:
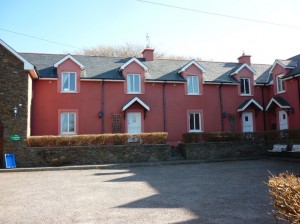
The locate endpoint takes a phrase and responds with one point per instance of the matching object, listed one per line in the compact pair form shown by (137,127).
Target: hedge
(93,140)
(291,134)
(285,192)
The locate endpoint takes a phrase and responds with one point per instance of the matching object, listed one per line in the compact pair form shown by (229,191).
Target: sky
(81,24)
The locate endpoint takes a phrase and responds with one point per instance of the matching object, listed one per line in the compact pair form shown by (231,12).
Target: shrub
(285,191)
(92,140)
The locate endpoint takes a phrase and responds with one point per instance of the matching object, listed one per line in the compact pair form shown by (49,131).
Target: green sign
(16,137)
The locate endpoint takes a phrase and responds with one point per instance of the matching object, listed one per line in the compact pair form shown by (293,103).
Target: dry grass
(285,192)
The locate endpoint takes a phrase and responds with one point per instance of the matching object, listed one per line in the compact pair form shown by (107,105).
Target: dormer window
(134,83)
(280,84)
(193,85)
(68,83)
(245,86)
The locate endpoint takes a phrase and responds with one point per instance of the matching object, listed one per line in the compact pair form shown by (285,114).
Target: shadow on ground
(223,192)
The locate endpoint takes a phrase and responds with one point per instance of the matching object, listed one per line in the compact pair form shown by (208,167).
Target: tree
(127,50)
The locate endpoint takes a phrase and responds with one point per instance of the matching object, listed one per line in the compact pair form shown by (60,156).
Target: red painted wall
(48,101)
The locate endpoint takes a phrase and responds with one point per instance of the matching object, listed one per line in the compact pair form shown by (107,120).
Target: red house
(78,94)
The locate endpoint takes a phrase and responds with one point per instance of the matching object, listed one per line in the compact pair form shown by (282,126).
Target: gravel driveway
(222,192)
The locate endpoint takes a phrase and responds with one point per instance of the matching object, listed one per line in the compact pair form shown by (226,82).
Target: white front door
(247,122)
(283,120)
(134,122)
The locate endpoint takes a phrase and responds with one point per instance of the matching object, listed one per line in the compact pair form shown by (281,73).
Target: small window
(245,86)
(195,122)
(193,85)
(68,83)
(280,84)
(134,83)
(68,123)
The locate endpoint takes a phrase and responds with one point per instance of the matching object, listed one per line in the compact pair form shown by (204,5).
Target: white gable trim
(27,65)
(69,56)
(192,62)
(251,101)
(278,104)
(277,62)
(135,99)
(243,66)
(134,60)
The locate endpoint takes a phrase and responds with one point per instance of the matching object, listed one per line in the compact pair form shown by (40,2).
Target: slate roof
(279,101)
(158,70)
(296,70)
(246,103)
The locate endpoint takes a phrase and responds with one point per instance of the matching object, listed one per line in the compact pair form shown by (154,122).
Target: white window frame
(194,121)
(194,81)
(280,84)
(68,90)
(68,132)
(243,83)
(131,89)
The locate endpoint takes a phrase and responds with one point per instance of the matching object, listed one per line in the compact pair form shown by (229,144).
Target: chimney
(245,59)
(148,54)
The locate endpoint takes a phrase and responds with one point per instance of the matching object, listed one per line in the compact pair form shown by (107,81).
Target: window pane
(71,122)
(192,127)
(64,122)
(247,86)
(137,84)
(190,84)
(196,84)
(65,80)
(197,121)
(72,81)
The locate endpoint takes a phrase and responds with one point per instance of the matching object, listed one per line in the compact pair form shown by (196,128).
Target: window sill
(194,94)
(69,92)
(195,131)
(279,92)
(68,133)
(134,93)
(246,95)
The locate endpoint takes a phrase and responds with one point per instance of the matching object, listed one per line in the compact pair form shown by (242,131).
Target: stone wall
(13,92)
(230,150)
(82,155)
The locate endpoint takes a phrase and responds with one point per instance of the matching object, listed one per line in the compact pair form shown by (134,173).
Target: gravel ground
(222,192)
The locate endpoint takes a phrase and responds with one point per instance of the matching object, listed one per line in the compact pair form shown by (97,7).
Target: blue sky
(173,31)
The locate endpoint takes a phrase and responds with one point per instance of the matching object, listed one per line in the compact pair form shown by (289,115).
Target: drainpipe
(102,106)
(221,106)
(263,104)
(298,91)
(164,106)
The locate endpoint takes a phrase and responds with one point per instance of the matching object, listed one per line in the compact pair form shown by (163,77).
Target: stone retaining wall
(81,155)
(225,150)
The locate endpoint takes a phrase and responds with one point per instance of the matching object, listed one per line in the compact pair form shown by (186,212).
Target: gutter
(263,104)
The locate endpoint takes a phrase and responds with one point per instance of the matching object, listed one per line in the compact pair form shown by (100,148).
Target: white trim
(62,83)
(135,99)
(61,124)
(249,86)
(251,101)
(68,56)
(192,62)
(279,63)
(27,65)
(273,100)
(102,80)
(45,79)
(173,82)
(221,83)
(241,67)
(278,79)
(134,60)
